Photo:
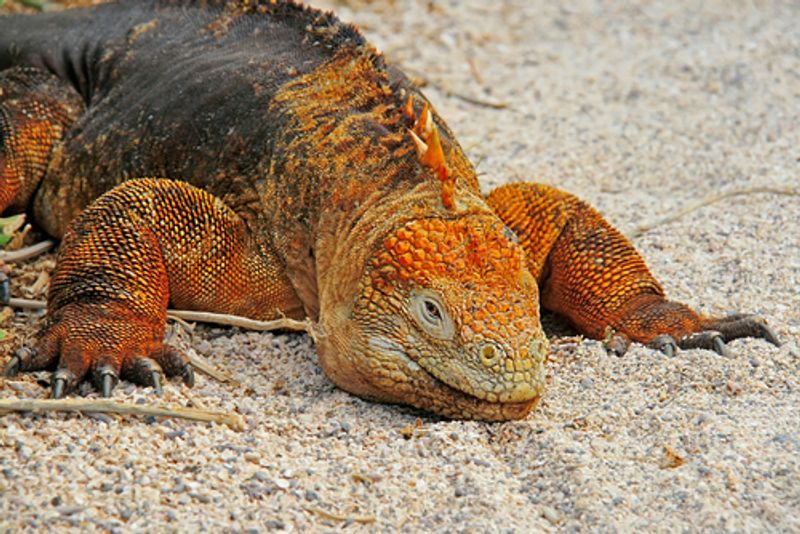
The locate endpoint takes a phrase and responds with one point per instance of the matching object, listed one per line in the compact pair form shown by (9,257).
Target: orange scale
(425,244)
(419,254)
(420,232)
(402,247)
(406,259)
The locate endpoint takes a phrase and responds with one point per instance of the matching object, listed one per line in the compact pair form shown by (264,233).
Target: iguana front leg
(590,273)
(138,247)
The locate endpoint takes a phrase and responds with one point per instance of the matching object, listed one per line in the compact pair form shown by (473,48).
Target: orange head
(448,318)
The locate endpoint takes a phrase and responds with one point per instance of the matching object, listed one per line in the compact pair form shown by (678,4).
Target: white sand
(642,110)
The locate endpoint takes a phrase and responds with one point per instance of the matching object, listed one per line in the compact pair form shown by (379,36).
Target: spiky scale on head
(425,136)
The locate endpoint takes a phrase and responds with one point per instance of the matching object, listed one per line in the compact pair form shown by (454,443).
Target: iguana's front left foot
(83,341)
(590,273)
(140,246)
(679,327)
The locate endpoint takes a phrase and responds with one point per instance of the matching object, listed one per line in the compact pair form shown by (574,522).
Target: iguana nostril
(491,354)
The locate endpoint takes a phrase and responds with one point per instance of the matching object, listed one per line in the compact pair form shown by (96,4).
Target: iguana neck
(349,171)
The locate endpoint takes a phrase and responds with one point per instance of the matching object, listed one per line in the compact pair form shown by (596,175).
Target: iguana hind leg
(141,245)
(590,273)
(36,108)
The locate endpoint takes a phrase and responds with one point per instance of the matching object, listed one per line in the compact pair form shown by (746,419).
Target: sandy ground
(641,108)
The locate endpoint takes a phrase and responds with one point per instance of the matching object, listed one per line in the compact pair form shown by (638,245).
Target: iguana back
(179,89)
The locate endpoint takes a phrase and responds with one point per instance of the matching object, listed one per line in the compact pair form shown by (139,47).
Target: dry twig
(234,421)
(364,519)
(449,91)
(27,252)
(204,366)
(644,228)
(283,323)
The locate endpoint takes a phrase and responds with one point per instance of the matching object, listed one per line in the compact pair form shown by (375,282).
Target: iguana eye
(428,310)
(432,311)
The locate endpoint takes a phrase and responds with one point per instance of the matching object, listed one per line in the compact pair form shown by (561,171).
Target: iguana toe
(665,344)
(105,377)
(705,339)
(63,381)
(144,371)
(12,367)
(742,325)
(5,289)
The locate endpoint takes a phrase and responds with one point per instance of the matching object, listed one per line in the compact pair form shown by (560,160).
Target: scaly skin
(287,183)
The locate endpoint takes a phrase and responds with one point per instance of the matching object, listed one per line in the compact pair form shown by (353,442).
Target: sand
(642,109)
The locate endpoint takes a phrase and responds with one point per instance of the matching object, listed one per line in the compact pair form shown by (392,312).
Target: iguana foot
(82,342)
(590,273)
(679,327)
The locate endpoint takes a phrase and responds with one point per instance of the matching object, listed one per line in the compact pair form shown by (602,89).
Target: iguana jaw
(384,372)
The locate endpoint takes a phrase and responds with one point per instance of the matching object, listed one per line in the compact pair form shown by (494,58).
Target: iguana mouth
(397,351)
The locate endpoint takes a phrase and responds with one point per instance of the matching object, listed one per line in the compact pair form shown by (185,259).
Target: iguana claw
(12,367)
(5,289)
(147,372)
(155,376)
(62,380)
(719,346)
(665,344)
(188,375)
(105,377)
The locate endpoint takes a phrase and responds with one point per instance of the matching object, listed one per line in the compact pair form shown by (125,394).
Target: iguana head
(446,319)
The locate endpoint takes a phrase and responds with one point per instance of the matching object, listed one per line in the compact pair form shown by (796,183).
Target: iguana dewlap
(261,159)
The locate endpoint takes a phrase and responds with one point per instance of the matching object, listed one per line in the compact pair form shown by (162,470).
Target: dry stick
(338,517)
(27,252)
(27,304)
(204,366)
(198,362)
(644,228)
(234,421)
(283,323)
(452,92)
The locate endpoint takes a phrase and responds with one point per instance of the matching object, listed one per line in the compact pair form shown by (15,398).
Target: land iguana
(260,158)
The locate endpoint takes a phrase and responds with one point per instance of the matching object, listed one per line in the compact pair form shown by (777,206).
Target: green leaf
(3,335)
(9,227)
(41,5)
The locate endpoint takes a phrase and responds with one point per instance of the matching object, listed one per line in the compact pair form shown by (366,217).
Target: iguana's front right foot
(592,275)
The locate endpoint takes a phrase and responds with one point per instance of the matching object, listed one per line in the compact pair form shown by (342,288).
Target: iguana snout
(447,319)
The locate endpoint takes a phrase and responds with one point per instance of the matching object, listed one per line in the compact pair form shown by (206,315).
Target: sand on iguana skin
(641,108)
